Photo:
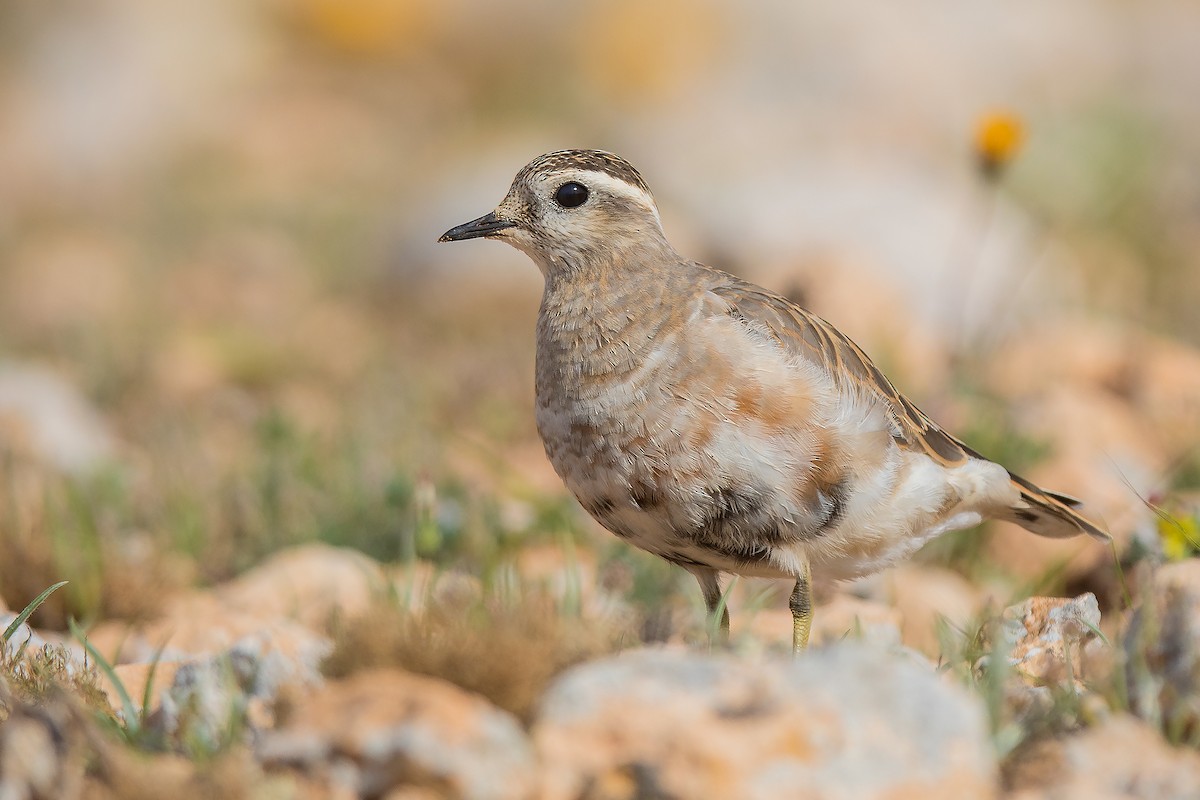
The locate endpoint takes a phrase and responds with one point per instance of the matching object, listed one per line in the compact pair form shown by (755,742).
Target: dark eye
(570,195)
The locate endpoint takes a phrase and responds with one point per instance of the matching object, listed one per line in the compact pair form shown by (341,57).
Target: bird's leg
(711,587)
(802,612)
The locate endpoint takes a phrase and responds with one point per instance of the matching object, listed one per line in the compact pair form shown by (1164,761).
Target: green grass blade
(132,720)
(148,692)
(28,612)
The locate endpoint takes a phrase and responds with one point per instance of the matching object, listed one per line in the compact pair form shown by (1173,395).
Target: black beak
(484,226)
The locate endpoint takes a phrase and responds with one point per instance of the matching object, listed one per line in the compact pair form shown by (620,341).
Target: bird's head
(574,211)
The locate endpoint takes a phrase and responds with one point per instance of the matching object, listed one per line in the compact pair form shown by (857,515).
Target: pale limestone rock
(1122,757)
(40,757)
(1164,637)
(200,626)
(380,730)
(289,600)
(205,694)
(1051,636)
(847,721)
(309,583)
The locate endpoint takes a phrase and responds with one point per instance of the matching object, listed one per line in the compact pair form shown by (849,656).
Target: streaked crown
(586,160)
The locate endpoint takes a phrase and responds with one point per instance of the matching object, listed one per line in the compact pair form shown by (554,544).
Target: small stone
(1050,634)
(844,721)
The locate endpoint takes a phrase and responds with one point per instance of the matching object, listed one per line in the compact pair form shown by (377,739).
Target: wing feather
(804,334)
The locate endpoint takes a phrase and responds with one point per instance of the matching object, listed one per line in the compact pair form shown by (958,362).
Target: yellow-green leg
(711,587)
(802,612)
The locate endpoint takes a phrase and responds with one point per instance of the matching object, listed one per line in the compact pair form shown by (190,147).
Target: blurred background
(225,326)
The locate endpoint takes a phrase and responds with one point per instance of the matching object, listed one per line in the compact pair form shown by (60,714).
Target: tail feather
(1065,499)
(1050,514)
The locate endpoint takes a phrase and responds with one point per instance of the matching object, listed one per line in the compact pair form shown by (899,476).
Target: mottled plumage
(719,425)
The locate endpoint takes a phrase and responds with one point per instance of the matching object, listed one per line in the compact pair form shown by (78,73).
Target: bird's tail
(1049,514)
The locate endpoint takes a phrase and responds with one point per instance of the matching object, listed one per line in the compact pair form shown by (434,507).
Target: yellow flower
(998,137)
(1180,536)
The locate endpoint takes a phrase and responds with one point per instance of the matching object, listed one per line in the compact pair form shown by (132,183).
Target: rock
(40,751)
(205,702)
(310,583)
(1051,636)
(50,420)
(381,730)
(288,600)
(1121,757)
(1163,640)
(221,665)
(199,626)
(847,721)
(207,694)
(133,772)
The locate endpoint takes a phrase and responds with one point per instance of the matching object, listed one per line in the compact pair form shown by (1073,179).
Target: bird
(717,424)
